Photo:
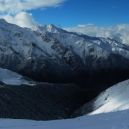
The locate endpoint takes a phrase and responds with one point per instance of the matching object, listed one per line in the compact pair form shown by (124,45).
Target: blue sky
(74,12)
(65,13)
(99,18)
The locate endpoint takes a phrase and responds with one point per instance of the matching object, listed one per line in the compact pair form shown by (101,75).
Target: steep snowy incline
(117,120)
(115,98)
(11,78)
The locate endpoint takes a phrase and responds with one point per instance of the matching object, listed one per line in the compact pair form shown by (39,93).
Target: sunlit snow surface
(115,98)
(11,78)
(117,120)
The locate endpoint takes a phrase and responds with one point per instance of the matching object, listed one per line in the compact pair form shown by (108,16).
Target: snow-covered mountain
(80,42)
(50,53)
(115,98)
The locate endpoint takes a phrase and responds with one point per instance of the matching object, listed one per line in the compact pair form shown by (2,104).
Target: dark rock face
(100,75)
(41,102)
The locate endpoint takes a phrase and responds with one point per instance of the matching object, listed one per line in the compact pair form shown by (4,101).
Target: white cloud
(14,11)
(22,19)
(119,32)
(14,6)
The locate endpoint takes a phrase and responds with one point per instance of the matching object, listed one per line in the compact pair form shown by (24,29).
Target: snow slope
(11,78)
(115,98)
(117,120)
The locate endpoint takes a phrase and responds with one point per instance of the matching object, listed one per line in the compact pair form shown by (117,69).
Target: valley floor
(116,120)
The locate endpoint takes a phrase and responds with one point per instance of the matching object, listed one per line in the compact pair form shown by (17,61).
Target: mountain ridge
(36,53)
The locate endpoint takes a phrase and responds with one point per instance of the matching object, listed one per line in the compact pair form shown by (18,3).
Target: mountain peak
(2,20)
(50,28)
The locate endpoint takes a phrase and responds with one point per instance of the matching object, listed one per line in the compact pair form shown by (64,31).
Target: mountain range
(51,73)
